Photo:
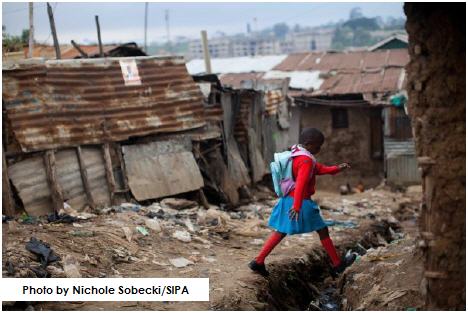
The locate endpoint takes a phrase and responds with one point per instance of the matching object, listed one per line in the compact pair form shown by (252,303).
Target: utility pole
(206,52)
(54,33)
(146,27)
(168,34)
(31,30)
(101,52)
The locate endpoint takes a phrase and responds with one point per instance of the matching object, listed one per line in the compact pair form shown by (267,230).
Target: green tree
(280,30)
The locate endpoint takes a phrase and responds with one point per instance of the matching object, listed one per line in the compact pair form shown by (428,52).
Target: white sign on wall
(130,72)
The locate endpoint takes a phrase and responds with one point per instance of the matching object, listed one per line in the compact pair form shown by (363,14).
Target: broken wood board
(30,180)
(160,169)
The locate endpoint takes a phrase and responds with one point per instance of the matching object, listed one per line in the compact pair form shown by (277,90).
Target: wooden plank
(84,178)
(109,171)
(7,197)
(51,172)
(160,169)
(122,166)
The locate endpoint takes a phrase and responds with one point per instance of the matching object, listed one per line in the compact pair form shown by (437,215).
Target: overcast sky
(122,22)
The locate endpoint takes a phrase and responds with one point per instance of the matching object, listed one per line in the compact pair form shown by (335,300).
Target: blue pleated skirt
(309,219)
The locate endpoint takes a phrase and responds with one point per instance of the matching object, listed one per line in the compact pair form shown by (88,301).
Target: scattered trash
(6,218)
(180,262)
(128,207)
(26,219)
(257,242)
(128,233)
(82,233)
(345,189)
(188,223)
(344,224)
(142,230)
(178,204)
(121,255)
(42,250)
(71,267)
(61,218)
(182,235)
(153,224)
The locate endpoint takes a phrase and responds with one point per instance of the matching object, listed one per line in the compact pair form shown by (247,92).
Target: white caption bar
(105,289)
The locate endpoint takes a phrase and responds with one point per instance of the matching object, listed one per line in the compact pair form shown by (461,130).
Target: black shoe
(258,268)
(346,261)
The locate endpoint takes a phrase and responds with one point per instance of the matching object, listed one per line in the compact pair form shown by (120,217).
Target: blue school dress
(309,219)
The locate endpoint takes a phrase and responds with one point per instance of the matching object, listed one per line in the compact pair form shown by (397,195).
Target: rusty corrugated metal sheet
(213,113)
(30,180)
(234,80)
(272,99)
(73,102)
(344,61)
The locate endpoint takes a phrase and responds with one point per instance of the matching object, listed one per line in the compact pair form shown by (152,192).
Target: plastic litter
(344,224)
(153,224)
(42,250)
(180,262)
(142,230)
(82,233)
(61,218)
(71,267)
(182,235)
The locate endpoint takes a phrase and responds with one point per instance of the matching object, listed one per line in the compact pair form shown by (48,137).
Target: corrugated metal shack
(255,124)
(353,105)
(96,132)
(92,132)
(346,94)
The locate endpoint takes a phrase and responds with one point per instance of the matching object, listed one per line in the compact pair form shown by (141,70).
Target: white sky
(124,21)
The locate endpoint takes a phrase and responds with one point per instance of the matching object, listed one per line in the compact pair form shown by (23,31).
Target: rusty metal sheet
(291,62)
(29,178)
(61,103)
(160,169)
(272,99)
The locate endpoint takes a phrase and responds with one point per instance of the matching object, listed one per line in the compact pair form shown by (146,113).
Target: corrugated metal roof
(61,103)
(341,61)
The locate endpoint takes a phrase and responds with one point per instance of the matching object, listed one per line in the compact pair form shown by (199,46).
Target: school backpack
(281,169)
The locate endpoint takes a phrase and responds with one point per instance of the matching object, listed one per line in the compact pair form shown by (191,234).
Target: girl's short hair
(311,135)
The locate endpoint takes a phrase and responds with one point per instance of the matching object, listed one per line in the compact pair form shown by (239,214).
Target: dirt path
(219,250)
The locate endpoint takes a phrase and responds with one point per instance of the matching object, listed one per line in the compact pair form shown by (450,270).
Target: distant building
(395,41)
(315,40)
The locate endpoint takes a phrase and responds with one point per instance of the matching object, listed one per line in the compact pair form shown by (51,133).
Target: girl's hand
(344,166)
(293,214)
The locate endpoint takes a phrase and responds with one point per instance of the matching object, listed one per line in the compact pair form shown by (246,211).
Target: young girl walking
(296,213)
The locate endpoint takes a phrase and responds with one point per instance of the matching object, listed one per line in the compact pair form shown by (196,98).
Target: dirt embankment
(213,244)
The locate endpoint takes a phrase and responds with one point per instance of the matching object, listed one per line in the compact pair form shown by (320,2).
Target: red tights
(276,237)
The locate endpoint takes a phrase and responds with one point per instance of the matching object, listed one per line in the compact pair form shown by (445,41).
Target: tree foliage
(14,43)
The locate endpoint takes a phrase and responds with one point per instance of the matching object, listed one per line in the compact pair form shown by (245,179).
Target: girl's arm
(302,180)
(322,169)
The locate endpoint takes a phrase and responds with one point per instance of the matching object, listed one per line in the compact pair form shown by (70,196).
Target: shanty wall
(437,105)
(71,114)
(60,103)
(351,144)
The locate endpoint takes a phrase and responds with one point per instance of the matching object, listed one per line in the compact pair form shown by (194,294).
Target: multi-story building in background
(314,40)
(235,46)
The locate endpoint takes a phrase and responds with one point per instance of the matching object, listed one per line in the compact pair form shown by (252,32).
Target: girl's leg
(274,239)
(327,244)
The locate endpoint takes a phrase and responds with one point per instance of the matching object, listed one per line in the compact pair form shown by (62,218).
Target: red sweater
(305,182)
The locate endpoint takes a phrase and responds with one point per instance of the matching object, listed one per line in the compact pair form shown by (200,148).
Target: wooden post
(124,171)
(77,47)
(206,52)
(109,171)
(55,189)
(7,199)
(101,52)
(31,30)
(84,178)
(54,33)
(146,27)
